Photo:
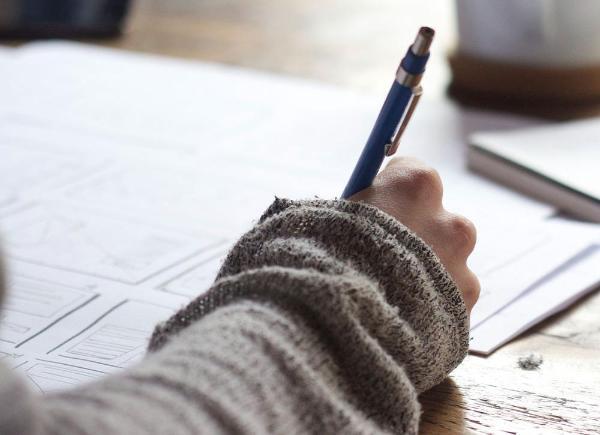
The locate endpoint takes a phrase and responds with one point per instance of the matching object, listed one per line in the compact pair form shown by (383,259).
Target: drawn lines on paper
(33,305)
(12,359)
(109,343)
(29,166)
(48,376)
(117,338)
(197,279)
(5,355)
(204,196)
(6,197)
(82,241)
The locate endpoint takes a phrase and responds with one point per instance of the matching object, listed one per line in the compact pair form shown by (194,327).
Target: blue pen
(395,114)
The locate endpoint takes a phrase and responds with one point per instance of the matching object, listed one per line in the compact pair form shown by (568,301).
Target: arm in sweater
(328,316)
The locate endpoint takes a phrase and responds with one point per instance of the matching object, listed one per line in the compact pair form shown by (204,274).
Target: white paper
(555,293)
(56,321)
(46,375)
(118,337)
(530,254)
(34,304)
(200,276)
(78,240)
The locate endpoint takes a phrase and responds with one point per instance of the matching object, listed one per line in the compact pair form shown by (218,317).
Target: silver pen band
(406,79)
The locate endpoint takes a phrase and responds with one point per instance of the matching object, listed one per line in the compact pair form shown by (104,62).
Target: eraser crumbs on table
(530,362)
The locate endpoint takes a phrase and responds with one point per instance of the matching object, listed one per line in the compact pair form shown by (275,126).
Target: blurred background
(538,58)
(355,43)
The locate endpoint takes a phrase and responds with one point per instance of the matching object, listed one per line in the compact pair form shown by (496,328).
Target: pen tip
(423,41)
(427,31)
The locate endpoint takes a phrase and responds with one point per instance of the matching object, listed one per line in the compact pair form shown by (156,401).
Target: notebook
(558,164)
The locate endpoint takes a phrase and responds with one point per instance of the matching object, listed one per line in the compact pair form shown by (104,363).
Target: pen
(395,114)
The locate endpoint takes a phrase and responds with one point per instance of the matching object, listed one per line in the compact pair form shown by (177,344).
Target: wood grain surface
(347,42)
(357,44)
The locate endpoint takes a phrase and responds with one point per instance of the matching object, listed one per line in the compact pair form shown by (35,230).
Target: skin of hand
(412,193)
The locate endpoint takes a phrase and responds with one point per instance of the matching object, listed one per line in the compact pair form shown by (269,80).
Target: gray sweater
(327,317)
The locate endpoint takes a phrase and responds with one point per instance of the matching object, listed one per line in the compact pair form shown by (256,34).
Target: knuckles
(418,183)
(471,290)
(463,232)
(452,236)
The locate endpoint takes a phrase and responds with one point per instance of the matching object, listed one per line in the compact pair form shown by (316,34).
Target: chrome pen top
(423,41)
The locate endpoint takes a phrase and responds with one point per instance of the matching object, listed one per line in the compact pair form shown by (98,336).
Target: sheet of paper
(513,260)
(88,326)
(554,293)
(285,126)
(127,177)
(108,246)
(34,304)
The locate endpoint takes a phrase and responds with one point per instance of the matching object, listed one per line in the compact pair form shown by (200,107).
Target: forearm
(327,317)
(341,261)
(393,320)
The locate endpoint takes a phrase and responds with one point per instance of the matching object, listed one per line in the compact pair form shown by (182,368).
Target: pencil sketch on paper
(86,242)
(34,304)
(48,376)
(27,165)
(176,192)
(196,280)
(12,359)
(118,338)
(111,342)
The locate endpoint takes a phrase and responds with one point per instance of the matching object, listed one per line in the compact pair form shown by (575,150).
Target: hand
(412,193)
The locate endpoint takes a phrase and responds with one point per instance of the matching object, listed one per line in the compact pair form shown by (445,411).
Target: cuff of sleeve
(433,294)
(407,273)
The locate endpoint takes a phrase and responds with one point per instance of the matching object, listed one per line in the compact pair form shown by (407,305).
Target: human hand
(412,193)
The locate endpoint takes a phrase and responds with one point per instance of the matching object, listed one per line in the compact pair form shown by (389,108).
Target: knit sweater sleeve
(327,317)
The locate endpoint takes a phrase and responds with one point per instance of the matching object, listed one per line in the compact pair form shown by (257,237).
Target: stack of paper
(125,178)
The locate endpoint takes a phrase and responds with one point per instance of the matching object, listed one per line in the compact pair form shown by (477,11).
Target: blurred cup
(539,57)
(531,32)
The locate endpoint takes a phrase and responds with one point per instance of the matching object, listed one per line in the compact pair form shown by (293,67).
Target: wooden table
(357,43)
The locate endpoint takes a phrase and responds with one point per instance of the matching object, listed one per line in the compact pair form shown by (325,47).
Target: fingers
(456,237)
(412,192)
(459,235)
(413,180)
(471,290)
(452,236)
(468,284)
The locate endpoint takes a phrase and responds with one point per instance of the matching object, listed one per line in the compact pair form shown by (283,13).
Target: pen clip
(392,147)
